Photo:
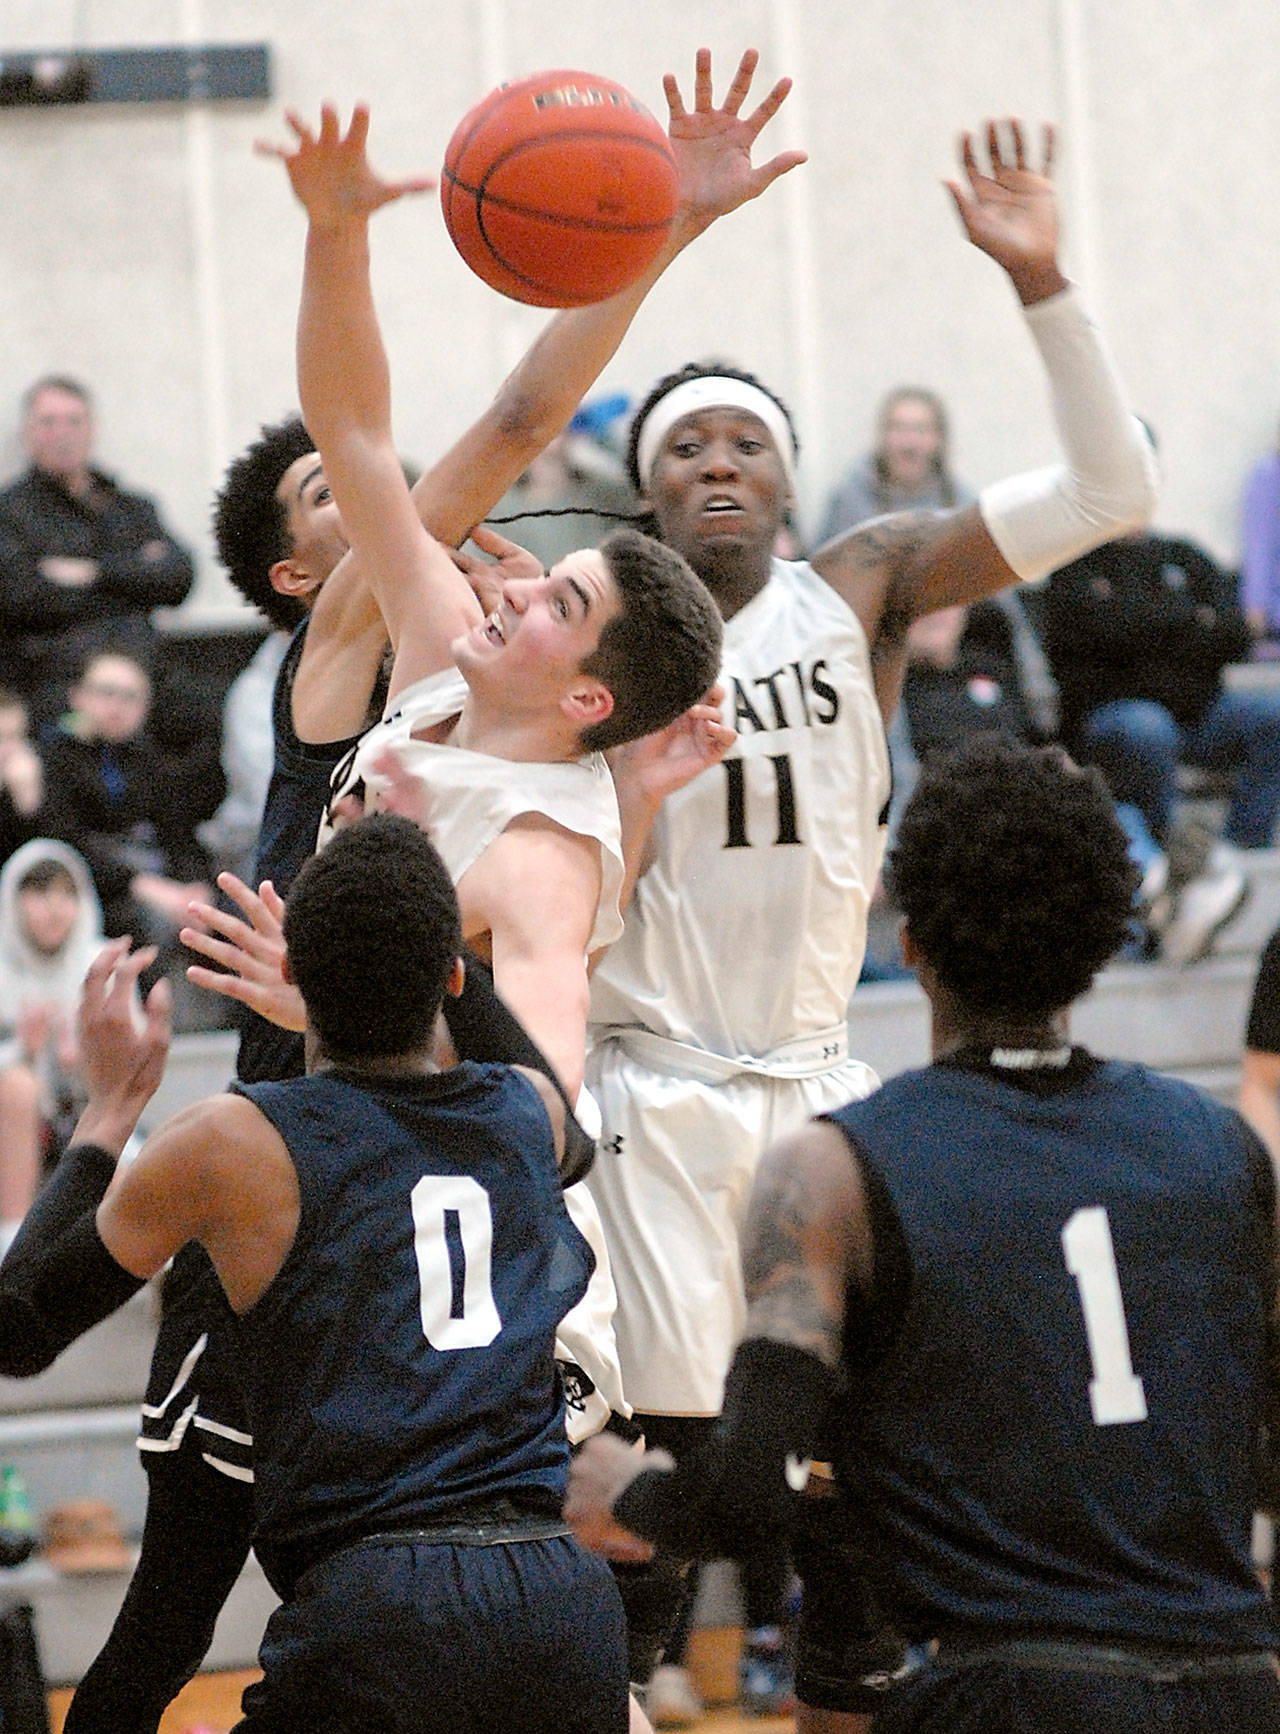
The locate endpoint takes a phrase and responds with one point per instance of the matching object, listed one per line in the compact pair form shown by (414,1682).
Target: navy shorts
(413,1637)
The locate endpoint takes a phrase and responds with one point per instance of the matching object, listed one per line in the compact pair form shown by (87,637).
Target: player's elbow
(1125,499)
(25,1349)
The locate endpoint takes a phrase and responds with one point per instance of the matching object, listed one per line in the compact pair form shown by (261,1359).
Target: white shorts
(672,1178)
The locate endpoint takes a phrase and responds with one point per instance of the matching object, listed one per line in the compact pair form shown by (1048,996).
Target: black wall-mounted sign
(211,73)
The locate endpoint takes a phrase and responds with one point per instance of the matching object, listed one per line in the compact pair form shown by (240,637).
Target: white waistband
(801,1057)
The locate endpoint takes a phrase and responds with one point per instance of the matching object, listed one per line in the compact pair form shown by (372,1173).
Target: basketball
(558,189)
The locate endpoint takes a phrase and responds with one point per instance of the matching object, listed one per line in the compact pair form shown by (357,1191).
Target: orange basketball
(558,189)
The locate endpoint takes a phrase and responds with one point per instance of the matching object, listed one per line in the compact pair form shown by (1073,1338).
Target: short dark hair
(662,652)
(42,874)
(56,382)
(251,526)
(1013,874)
(371,926)
(711,369)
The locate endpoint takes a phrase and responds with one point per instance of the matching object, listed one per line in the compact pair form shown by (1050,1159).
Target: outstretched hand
(252,951)
(599,1473)
(1009,210)
(122,1049)
(330,171)
(507,559)
(656,765)
(713,145)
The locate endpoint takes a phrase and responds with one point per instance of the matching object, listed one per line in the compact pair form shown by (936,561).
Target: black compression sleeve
(57,1278)
(482,1027)
(726,1500)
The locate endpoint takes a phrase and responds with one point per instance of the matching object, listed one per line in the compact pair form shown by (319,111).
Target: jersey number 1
(1115,1391)
(453,1244)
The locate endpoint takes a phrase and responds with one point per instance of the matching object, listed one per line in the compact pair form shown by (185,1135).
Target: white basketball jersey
(471,798)
(749,929)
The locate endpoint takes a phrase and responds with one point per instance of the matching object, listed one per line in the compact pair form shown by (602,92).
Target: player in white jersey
(719,1016)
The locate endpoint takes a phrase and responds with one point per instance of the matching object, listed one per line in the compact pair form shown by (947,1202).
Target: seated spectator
(1260,1066)
(112,795)
(21,775)
(907,470)
(963,678)
(50,932)
(575,491)
(1138,634)
(230,836)
(82,562)
(1260,551)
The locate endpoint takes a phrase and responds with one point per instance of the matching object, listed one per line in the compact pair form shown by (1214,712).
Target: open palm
(1008,209)
(713,145)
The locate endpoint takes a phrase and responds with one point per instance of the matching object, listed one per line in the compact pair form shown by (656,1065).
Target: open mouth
(492,628)
(719,505)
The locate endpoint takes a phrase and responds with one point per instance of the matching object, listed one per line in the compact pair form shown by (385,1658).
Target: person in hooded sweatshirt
(50,932)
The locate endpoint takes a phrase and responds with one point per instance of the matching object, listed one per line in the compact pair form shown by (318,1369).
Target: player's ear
(286,973)
(588,703)
(457,975)
(290,579)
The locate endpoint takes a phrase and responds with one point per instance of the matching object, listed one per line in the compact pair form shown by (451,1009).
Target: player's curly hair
(662,652)
(711,369)
(251,526)
(1013,874)
(371,926)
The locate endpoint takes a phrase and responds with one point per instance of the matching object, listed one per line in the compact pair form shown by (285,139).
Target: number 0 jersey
(749,928)
(399,1366)
(1060,1437)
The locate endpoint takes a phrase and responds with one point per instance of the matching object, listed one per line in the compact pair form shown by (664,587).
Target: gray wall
(148,250)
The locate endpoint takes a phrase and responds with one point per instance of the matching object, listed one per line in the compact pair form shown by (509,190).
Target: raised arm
(344,386)
(897,568)
(713,147)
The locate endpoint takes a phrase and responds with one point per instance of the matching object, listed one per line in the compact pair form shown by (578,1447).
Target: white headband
(713,392)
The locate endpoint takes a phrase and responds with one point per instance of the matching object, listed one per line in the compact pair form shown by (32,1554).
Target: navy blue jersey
(399,1367)
(1060,1437)
(296,797)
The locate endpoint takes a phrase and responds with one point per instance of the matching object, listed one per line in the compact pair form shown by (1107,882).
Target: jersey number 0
(453,1244)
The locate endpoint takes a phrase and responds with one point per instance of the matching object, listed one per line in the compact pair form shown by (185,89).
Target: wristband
(729,1499)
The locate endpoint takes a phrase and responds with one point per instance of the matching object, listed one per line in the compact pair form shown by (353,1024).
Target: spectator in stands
(230,836)
(1260,1067)
(50,932)
(113,796)
(910,470)
(1138,634)
(575,491)
(963,678)
(21,775)
(1260,543)
(82,562)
